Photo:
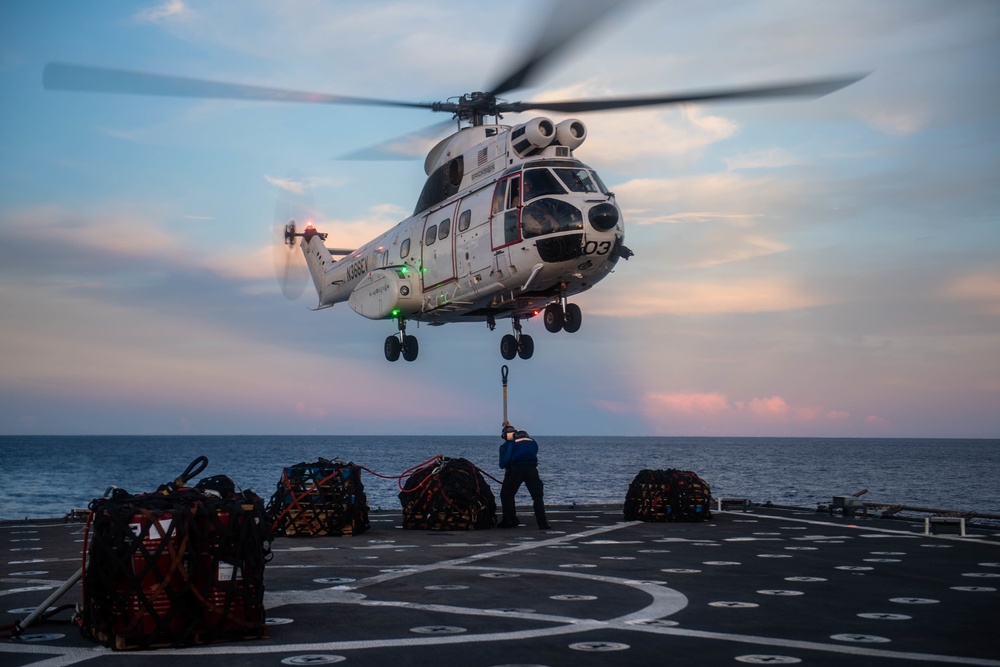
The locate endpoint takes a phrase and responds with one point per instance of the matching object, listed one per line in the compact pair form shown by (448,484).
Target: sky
(815,268)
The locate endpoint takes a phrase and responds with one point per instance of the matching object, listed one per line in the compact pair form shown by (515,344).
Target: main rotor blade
(409,146)
(62,76)
(814,88)
(568,20)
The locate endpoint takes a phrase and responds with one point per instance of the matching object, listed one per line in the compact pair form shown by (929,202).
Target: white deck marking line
(465,560)
(817,646)
(854,526)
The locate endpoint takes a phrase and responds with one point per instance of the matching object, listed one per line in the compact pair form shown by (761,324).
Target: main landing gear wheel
(508,347)
(392,348)
(410,348)
(572,318)
(526,347)
(517,344)
(553,317)
(568,318)
(401,344)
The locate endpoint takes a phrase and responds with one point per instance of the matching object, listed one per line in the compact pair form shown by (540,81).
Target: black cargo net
(174,569)
(322,498)
(668,495)
(447,494)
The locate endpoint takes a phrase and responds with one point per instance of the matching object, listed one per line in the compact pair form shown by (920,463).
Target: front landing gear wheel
(508,347)
(392,348)
(573,318)
(553,317)
(410,348)
(525,347)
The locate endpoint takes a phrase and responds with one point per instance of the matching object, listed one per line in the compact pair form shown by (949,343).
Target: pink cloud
(713,411)
(772,407)
(690,404)
(876,421)
(310,411)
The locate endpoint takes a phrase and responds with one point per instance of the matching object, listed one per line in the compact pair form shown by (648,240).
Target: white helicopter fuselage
(508,223)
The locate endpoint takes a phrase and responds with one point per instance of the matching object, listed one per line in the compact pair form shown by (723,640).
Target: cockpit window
(578,180)
(538,182)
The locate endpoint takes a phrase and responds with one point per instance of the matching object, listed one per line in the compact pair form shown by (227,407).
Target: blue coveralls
(519,459)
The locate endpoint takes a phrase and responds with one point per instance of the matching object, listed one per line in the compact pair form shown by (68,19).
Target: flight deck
(768,585)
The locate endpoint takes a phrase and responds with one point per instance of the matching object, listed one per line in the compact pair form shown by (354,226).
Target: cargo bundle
(321,498)
(668,495)
(447,494)
(175,568)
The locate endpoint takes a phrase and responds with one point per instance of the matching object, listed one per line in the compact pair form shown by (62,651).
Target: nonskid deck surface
(770,586)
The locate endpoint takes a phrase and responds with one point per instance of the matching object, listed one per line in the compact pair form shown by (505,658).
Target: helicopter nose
(603,217)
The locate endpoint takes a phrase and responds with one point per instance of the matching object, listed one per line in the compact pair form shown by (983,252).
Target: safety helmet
(508,432)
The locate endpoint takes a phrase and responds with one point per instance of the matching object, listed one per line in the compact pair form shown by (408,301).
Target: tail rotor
(292,212)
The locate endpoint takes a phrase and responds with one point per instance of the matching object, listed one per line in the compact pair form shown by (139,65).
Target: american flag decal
(481,157)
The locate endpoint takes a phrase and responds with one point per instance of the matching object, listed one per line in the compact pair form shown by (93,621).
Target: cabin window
(498,197)
(464,220)
(539,182)
(577,180)
(444,228)
(600,183)
(514,193)
(404,248)
(510,234)
(431,236)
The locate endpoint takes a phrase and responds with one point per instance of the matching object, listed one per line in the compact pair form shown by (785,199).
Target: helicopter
(509,224)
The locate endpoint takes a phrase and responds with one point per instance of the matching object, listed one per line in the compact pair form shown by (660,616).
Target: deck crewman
(519,460)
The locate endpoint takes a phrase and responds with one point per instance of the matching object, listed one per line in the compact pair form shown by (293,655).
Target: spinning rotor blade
(567,22)
(294,206)
(813,88)
(61,76)
(406,147)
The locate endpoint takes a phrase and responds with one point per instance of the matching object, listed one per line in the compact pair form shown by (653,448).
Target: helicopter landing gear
(553,317)
(566,317)
(517,344)
(401,344)
(572,318)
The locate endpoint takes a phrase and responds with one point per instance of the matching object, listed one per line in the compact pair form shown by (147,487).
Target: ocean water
(45,476)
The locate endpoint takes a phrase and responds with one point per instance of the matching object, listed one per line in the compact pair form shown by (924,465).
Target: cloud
(629,141)
(898,123)
(170,9)
(764,159)
(982,288)
(356,232)
(121,247)
(696,217)
(688,404)
(118,230)
(727,196)
(297,187)
(877,422)
(662,297)
(747,247)
(715,411)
